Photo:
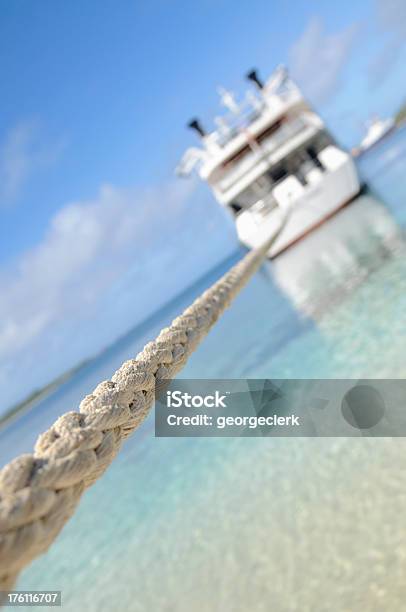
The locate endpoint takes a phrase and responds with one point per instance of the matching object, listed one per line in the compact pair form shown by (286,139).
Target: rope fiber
(40,491)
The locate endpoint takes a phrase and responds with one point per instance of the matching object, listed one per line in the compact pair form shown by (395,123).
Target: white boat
(376,130)
(269,154)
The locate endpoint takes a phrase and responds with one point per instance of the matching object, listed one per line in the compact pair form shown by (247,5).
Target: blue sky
(95,95)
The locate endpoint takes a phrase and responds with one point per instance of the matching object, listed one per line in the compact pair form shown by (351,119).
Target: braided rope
(39,492)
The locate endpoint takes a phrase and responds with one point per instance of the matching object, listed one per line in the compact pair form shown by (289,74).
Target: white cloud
(391,21)
(21,154)
(318,59)
(392,16)
(102,266)
(84,250)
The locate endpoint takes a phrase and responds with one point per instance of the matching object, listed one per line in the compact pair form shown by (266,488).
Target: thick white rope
(40,491)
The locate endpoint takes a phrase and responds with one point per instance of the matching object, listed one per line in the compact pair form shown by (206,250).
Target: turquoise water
(257,524)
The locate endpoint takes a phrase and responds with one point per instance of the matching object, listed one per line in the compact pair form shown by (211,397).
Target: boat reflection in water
(322,269)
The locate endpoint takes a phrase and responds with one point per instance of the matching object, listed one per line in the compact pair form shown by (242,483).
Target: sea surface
(240,524)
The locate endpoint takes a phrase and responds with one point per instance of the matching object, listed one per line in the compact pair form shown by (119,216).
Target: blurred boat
(269,154)
(376,130)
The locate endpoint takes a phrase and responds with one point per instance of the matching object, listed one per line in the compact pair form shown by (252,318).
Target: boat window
(241,153)
(258,190)
(277,174)
(313,156)
(270,130)
(237,156)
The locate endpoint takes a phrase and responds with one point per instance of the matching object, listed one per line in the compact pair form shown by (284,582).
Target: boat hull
(335,188)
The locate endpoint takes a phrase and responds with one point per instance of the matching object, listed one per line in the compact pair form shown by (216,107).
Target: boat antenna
(195,124)
(227,99)
(253,76)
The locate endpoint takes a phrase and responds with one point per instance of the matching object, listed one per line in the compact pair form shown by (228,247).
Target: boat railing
(252,107)
(240,168)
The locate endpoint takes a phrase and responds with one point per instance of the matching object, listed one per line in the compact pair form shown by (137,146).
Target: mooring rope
(39,492)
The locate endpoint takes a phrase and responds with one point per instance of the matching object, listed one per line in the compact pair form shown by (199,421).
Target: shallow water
(257,524)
